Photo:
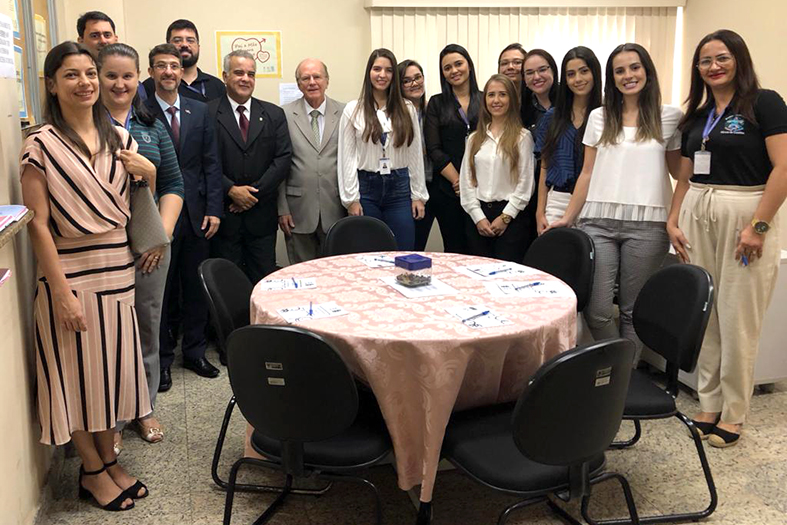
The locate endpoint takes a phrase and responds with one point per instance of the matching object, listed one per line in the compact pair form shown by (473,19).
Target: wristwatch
(505,218)
(760,227)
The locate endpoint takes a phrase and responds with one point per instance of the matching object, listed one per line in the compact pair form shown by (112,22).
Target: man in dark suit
(255,152)
(192,133)
(195,83)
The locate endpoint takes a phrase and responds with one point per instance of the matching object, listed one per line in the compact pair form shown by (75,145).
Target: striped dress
(87,380)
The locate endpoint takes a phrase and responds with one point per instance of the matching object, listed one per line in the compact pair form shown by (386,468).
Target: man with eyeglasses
(195,83)
(192,132)
(309,201)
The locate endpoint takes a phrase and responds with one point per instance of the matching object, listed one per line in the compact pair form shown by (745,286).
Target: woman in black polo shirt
(733,181)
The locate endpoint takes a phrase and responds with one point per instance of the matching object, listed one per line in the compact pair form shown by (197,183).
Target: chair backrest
(569,255)
(228,291)
(358,234)
(571,409)
(672,311)
(290,384)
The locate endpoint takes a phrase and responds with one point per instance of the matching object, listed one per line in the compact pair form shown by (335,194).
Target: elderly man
(309,201)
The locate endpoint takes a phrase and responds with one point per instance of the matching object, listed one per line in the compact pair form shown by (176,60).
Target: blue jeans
(387,197)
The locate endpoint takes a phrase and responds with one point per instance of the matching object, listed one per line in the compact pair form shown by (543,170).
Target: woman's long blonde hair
(508,145)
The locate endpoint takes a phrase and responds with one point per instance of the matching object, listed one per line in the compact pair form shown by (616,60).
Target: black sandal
(115,505)
(133,491)
(721,438)
(704,428)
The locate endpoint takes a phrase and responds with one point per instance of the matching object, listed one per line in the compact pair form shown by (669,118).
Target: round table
(420,361)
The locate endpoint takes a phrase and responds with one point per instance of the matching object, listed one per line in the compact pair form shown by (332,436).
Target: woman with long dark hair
(87,345)
(118,67)
(450,118)
(560,131)
(623,192)
(413,89)
(724,218)
(496,179)
(380,158)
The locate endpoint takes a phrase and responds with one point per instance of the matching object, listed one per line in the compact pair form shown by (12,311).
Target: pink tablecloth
(421,362)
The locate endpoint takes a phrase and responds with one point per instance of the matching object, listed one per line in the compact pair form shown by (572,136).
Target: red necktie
(243,123)
(174,125)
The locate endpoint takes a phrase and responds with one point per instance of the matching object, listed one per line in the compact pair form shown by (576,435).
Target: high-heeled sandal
(115,505)
(133,491)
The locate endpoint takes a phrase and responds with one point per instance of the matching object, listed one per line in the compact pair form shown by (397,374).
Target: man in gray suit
(309,201)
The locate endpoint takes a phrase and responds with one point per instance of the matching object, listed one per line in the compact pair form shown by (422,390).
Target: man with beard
(195,84)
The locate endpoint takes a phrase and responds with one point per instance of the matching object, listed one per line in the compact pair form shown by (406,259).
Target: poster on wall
(6,48)
(41,46)
(265,46)
(13,8)
(20,82)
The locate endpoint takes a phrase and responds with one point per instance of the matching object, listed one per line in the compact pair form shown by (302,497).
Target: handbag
(144,229)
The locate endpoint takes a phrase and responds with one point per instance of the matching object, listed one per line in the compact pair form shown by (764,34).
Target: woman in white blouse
(380,159)
(496,177)
(623,194)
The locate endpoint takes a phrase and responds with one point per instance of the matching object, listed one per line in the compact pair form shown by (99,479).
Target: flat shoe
(150,434)
(704,428)
(721,438)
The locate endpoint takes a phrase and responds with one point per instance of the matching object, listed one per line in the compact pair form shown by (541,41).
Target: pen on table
(310,308)
(528,285)
(745,260)
(294,282)
(383,260)
(500,271)
(476,316)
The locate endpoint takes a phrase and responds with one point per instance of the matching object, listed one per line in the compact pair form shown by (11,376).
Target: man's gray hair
(240,54)
(298,68)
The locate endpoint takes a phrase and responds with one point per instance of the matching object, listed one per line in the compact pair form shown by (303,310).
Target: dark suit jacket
(263,161)
(198,159)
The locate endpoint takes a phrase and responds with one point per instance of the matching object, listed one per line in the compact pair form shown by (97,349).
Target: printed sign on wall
(265,47)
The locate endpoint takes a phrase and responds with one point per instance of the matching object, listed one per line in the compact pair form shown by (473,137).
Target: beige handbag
(144,229)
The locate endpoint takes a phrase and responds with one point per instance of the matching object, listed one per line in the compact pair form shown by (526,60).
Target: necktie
(174,125)
(315,125)
(243,123)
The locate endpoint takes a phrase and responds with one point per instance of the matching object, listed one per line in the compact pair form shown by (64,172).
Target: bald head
(312,77)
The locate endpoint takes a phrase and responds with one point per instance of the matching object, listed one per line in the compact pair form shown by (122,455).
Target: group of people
(535,149)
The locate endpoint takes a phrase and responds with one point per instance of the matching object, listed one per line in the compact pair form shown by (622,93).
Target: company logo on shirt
(146,137)
(733,125)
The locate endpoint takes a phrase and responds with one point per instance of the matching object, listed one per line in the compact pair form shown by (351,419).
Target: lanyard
(128,118)
(710,123)
(201,89)
(464,117)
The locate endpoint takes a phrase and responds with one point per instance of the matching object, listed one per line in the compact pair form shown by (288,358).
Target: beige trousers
(712,218)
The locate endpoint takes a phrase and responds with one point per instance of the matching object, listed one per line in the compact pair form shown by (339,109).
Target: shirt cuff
(477,215)
(511,210)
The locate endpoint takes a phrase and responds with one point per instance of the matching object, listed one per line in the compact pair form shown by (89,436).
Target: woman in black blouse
(724,218)
(450,117)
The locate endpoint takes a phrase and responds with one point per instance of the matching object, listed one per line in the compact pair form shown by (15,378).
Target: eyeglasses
(161,66)
(543,70)
(408,82)
(517,62)
(721,61)
(306,78)
(179,40)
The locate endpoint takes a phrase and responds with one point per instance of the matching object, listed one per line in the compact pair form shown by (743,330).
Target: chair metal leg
(516,506)
(627,494)
(361,481)
(273,507)
(681,516)
(557,509)
(632,441)
(242,487)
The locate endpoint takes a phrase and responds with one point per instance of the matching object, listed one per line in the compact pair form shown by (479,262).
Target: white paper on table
(478,316)
(289,284)
(496,270)
(318,311)
(527,289)
(377,261)
(436,287)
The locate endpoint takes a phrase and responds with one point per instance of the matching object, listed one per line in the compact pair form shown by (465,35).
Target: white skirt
(557,202)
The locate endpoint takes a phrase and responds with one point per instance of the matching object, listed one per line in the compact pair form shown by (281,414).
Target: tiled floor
(663,470)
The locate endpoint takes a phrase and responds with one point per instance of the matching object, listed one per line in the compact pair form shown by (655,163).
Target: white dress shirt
(493,173)
(234,105)
(320,117)
(166,105)
(354,154)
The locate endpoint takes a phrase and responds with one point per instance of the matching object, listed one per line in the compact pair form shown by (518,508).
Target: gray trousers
(303,247)
(632,249)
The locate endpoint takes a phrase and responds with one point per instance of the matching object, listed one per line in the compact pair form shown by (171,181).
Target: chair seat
(646,399)
(480,442)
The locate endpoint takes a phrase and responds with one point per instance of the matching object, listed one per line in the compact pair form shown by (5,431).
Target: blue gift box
(413,262)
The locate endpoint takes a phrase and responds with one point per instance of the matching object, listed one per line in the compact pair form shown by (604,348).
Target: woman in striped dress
(89,365)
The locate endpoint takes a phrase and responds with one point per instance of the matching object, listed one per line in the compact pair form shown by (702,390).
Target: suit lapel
(155,108)
(185,118)
(332,116)
(303,121)
(257,121)
(226,119)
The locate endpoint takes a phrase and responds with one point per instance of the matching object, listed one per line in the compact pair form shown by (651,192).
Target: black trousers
(508,247)
(424,226)
(255,255)
(450,215)
(188,252)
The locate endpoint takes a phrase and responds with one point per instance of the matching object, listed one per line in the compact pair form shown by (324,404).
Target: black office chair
(299,396)
(670,316)
(553,440)
(569,255)
(358,234)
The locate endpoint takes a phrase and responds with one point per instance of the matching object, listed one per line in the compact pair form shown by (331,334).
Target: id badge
(702,163)
(385,166)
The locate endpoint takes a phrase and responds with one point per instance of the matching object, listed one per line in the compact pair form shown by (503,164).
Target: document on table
(528,289)
(436,287)
(478,316)
(496,270)
(289,284)
(315,311)
(377,261)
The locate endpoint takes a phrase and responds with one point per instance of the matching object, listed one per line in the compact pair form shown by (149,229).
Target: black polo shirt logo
(733,125)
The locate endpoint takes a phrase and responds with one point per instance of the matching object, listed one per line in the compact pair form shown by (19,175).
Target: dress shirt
(493,173)
(355,154)
(166,105)
(320,117)
(234,105)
